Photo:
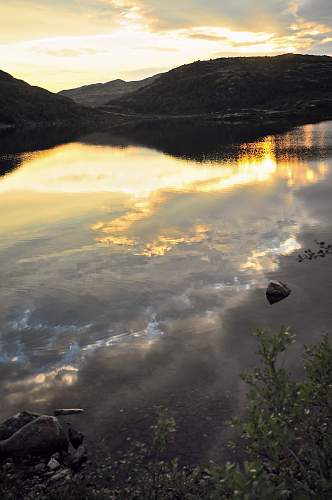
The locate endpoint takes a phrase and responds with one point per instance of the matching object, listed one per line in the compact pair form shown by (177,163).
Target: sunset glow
(139,194)
(65,44)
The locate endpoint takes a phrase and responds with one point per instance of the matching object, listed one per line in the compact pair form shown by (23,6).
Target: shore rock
(79,457)
(63,476)
(13,424)
(53,464)
(40,468)
(41,436)
(276,291)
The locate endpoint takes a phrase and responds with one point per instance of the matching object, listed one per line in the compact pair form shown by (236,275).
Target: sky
(61,44)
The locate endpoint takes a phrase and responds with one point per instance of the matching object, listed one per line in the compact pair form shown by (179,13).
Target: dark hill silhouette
(239,88)
(99,94)
(287,89)
(24,105)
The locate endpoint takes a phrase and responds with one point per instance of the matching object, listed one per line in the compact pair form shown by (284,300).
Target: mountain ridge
(272,87)
(98,94)
(288,89)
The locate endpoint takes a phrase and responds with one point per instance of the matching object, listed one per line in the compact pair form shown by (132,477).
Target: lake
(133,274)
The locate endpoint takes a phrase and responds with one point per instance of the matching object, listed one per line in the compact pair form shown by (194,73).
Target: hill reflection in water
(148,183)
(127,264)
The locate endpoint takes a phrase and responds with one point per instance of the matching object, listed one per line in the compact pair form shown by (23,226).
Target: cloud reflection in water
(108,248)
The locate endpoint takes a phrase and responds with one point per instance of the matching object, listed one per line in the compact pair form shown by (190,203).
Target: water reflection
(146,181)
(120,263)
(256,164)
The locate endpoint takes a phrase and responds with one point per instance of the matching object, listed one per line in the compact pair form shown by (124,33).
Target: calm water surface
(131,277)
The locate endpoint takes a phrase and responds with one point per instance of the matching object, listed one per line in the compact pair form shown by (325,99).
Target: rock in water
(13,424)
(276,291)
(75,437)
(43,435)
(79,457)
(67,411)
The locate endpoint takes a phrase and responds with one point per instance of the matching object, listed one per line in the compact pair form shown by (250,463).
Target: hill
(24,105)
(287,89)
(238,88)
(99,94)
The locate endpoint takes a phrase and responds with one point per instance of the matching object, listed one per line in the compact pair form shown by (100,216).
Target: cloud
(225,35)
(65,42)
(293,25)
(318,11)
(326,40)
(33,19)
(139,74)
(241,14)
(272,15)
(75,53)
(92,16)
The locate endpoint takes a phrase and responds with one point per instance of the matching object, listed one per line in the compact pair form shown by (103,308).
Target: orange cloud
(67,44)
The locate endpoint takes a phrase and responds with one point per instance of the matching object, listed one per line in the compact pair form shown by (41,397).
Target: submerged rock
(67,411)
(13,424)
(276,291)
(41,436)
